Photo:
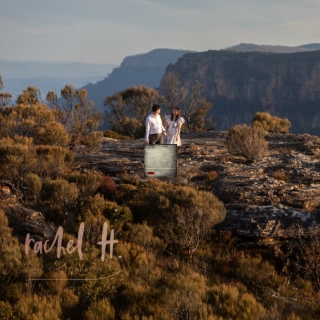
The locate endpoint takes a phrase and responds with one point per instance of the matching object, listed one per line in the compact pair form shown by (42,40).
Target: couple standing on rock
(155,131)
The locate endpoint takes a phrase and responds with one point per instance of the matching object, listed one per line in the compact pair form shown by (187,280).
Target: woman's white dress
(172,131)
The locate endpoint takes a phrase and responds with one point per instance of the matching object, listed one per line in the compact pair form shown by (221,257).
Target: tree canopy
(76,113)
(128,109)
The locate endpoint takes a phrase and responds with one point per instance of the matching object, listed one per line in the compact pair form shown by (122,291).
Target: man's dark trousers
(156,138)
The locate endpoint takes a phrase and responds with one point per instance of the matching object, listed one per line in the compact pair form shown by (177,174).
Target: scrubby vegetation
(5,97)
(128,109)
(281,175)
(194,106)
(246,141)
(271,123)
(77,115)
(114,135)
(168,263)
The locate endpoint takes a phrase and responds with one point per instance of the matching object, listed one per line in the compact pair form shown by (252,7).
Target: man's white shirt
(153,125)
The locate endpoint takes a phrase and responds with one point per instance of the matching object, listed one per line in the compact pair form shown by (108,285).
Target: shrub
(233,302)
(53,161)
(305,258)
(246,141)
(17,158)
(212,175)
(6,311)
(182,216)
(281,175)
(108,188)
(184,296)
(130,126)
(10,255)
(135,102)
(142,235)
(133,179)
(141,266)
(33,183)
(92,141)
(88,183)
(101,309)
(91,206)
(56,287)
(68,302)
(254,273)
(94,209)
(115,135)
(140,132)
(38,308)
(59,192)
(90,267)
(76,113)
(138,301)
(13,263)
(35,121)
(117,215)
(271,123)
(55,213)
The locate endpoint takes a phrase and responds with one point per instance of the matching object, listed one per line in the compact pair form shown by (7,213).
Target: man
(154,128)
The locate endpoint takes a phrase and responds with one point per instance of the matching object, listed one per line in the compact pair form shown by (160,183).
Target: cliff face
(239,84)
(142,69)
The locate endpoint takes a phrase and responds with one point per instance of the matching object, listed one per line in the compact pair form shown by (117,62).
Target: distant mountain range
(40,69)
(17,75)
(246,47)
(238,80)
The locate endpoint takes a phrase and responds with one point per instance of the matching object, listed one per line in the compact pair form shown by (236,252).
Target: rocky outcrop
(24,220)
(263,211)
(8,193)
(239,84)
(269,203)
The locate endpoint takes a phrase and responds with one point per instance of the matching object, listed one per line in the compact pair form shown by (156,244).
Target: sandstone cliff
(241,83)
(142,69)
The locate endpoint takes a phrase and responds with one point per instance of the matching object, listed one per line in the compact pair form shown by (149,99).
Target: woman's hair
(179,113)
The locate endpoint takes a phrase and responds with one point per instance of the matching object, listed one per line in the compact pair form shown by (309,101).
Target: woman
(173,127)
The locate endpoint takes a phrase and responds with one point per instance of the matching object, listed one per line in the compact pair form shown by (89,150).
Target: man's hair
(155,107)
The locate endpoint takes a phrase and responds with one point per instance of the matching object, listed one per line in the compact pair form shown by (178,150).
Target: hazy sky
(106,31)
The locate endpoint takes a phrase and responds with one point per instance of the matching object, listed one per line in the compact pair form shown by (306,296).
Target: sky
(106,31)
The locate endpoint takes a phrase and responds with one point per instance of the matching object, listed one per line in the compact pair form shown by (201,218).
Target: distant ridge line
(249,47)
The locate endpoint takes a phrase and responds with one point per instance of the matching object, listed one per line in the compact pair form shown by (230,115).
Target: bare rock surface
(261,208)
(24,220)
(7,192)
